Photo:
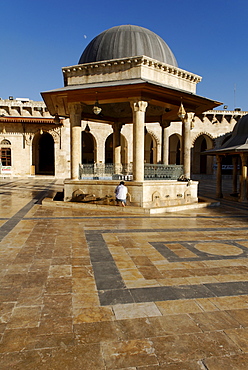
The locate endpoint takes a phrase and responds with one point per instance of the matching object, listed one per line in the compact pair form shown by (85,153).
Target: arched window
(5,152)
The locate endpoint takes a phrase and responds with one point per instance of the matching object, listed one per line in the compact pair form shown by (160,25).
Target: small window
(5,152)
(6,156)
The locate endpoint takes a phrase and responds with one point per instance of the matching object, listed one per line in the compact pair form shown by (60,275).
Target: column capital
(165,123)
(243,156)
(189,118)
(138,105)
(117,126)
(75,108)
(218,158)
(75,111)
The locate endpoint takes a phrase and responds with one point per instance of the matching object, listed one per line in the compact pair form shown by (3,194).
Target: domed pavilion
(235,147)
(128,74)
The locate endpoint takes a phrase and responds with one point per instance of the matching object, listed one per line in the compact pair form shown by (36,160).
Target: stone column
(243,180)
(139,109)
(235,175)
(165,143)
(219,193)
(117,146)
(187,124)
(75,111)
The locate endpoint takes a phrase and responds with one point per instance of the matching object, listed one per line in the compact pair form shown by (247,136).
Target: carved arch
(154,136)
(202,133)
(202,163)
(151,147)
(55,135)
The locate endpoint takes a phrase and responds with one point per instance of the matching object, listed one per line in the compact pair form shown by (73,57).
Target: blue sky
(207,37)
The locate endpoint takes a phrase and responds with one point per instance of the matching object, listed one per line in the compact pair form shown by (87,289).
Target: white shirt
(121,192)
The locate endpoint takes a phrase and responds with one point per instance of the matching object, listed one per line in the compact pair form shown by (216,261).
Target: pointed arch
(109,154)
(151,147)
(202,164)
(88,147)
(175,156)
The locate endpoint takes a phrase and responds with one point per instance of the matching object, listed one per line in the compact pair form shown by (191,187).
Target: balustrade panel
(125,171)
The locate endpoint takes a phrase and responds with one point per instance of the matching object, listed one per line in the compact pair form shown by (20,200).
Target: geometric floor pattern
(118,274)
(83,289)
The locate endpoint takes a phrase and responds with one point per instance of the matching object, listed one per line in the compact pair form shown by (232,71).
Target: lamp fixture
(96,109)
(56,119)
(3,131)
(41,131)
(87,128)
(181,112)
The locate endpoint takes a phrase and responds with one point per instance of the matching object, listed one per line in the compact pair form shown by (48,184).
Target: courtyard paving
(84,289)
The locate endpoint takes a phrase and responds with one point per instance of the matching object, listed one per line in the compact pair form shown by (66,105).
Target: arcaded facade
(32,144)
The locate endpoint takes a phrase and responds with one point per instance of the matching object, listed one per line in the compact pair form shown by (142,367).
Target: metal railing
(110,171)
(106,171)
(162,172)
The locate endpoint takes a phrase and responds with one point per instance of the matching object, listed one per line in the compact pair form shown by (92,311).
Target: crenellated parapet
(23,108)
(216,117)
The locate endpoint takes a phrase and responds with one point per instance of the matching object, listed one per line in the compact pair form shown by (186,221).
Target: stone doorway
(43,154)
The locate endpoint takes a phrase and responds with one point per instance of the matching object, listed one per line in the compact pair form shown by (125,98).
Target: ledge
(203,203)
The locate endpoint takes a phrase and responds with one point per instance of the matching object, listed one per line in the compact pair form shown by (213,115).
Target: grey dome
(239,134)
(127,41)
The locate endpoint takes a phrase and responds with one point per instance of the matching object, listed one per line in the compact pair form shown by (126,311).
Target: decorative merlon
(233,113)
(18,108)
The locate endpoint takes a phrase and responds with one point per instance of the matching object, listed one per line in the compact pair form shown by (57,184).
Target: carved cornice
(118,64)
(40,120)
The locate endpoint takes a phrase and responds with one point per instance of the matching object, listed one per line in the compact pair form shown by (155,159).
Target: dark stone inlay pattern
(115,296)
(200,256)
(14,220)
(152,294)
(228,289)
(107,275)
(169,293)
(112,289)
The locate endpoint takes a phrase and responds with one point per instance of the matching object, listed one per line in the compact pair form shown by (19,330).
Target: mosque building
(126,111)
